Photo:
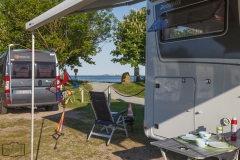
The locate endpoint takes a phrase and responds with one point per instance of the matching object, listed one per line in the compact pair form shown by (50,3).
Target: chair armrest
(114,114)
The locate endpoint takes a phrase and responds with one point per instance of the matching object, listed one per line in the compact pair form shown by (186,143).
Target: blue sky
(103,59)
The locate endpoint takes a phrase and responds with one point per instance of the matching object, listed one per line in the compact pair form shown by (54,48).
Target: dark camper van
(16,79)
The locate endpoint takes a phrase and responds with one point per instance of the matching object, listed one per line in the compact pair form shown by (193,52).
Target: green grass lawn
(132,89)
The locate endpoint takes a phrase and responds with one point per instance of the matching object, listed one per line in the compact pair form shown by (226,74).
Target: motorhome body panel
(212,61)
(46,71)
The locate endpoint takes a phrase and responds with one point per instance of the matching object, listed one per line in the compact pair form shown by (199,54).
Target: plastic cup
(202,142)
(204,134)
(219,129)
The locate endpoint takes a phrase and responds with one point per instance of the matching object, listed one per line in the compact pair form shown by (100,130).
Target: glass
(21,70)
(46,70)
(196,20)
(219,129)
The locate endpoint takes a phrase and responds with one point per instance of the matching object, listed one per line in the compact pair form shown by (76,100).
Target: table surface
(194,151)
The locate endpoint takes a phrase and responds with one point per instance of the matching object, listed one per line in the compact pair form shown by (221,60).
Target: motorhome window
(201,19)
(46,70)
(21,70)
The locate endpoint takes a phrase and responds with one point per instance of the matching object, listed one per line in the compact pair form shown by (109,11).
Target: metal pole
(82,93)
(109,96)
(9,68)
(32,113)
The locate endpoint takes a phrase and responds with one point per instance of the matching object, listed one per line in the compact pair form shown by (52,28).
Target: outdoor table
(192,151)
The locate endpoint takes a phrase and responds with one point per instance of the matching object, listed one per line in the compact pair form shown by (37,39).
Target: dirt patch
(40,113)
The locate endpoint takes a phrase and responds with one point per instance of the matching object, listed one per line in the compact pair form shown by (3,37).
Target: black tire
(49,108)
(3,110)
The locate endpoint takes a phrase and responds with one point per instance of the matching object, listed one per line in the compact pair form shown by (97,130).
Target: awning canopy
(69,7)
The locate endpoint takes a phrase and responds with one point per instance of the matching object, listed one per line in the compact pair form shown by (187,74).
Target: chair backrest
(100,106)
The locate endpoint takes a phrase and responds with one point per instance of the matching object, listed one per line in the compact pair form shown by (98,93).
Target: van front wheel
(49,108)
(3,110)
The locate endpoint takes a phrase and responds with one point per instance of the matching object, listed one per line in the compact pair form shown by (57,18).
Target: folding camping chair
(104,117)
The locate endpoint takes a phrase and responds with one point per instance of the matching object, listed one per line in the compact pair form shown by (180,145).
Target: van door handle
(189,110)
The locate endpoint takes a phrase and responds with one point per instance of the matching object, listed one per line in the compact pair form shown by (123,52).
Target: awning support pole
(32,113)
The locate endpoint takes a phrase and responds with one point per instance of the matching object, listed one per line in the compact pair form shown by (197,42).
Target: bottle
(219,132)
(234,129)
(219,129)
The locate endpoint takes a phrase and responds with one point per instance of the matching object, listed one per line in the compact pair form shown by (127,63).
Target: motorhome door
(173,112)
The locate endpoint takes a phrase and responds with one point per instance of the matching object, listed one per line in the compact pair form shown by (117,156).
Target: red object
(7,84)
(65,79)
(7,88)
(8,101)
(234,129)
(57,82)
(130,112)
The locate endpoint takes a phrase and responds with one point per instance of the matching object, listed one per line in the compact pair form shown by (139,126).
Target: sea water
(100,78)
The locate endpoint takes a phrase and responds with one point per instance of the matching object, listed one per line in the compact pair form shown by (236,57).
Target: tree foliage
(130,39)
(175,32)
(73,37)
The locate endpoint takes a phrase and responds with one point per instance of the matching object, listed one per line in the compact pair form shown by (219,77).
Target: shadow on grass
(39,140)
(82,119)
(138,153)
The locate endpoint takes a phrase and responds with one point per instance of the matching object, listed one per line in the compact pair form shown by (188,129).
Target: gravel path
(41,113)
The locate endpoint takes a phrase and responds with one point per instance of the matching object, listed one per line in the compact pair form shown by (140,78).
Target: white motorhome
(192,66)
(192,61)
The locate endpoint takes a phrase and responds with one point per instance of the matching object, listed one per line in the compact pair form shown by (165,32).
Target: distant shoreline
(101,78)
(103,75)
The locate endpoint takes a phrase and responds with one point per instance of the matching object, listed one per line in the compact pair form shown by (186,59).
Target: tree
(130,39)
(73,37)
(175,32)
